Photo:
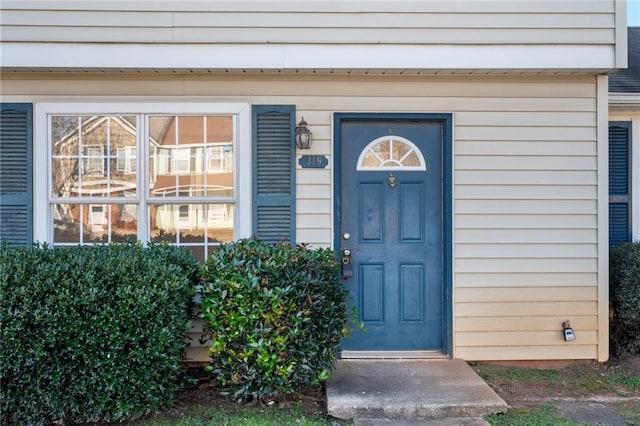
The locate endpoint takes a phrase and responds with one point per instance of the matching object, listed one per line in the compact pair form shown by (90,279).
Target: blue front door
(390,219)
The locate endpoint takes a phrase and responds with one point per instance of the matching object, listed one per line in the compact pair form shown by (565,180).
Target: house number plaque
(313,161)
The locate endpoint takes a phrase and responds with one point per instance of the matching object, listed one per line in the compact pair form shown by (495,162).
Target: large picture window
(148,176)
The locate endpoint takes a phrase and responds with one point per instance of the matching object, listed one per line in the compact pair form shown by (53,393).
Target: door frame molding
(446,119)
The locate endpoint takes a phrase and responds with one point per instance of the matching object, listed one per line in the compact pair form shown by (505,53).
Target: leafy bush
(624,285)
(92,333)
(275,315)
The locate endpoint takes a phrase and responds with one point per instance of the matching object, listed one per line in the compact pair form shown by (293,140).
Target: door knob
(346,236)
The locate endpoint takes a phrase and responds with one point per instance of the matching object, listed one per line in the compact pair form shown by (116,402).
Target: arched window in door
(391,153)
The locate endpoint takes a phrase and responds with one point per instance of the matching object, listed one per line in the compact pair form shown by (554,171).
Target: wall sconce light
(303,135)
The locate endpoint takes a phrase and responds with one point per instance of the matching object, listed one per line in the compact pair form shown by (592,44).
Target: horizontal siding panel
(317,221)
(187,35)
(441,104)
(525,221)
(50,17)
(526,251)
(524,133)
(531,236)
(524,265)
(311,206)
(313,176)
(508,118)
(511,309)
(538,279)
(314,237)
(430,87)
(321,138)
(525,207)
(312,191)
(525,192)
(150,88)
(510,162)
(533,148)
(531,294)
(197,354)
(87,34)
(339,21)
(359,35)
(521,338)
(496,6)
(578,323)
(528,177)
(497,353)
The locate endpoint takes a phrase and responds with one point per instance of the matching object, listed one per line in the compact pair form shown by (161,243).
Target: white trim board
(306,57)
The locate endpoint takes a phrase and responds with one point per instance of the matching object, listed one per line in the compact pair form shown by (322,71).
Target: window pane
(411,160)
(94,223)
(400,150)
(64,135)
(370,160)
(189,223)
(124,222)
(66,179)
(382,149)
(94,156)
(191,156)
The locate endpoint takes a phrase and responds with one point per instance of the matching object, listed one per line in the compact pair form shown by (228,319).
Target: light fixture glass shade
(303,135)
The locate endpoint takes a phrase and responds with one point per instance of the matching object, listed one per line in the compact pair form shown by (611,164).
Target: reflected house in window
(94,157)
(190,168)
(191,158)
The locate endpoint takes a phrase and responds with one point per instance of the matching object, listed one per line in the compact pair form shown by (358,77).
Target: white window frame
(400,167)
(43,214)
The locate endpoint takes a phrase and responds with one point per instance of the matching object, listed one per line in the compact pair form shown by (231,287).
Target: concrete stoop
(409,390)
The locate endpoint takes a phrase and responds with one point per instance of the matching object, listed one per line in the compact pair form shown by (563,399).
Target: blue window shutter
(619,182)
(274,173)
(16,208)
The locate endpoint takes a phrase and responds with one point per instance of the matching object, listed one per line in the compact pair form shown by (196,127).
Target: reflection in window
(391,153)
(87,153)
(193,153)
(93,161)
(192,225)
(126,160)
(188,191)
(94,223)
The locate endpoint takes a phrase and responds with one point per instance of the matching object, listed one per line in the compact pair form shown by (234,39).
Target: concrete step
(409,389)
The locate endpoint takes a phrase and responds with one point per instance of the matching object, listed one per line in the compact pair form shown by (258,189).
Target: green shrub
(624,285)
(275,315)
(92,333)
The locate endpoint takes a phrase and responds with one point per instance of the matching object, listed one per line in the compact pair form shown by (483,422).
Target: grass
(577,380)
(543,415)
(236,415)
(630,412)
(530,391)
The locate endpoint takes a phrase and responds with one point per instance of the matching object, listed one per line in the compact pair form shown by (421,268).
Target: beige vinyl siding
(525,185)
(432,22)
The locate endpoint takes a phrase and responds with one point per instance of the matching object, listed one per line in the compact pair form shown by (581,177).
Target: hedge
(624,286)
(92,333)
(275,315)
